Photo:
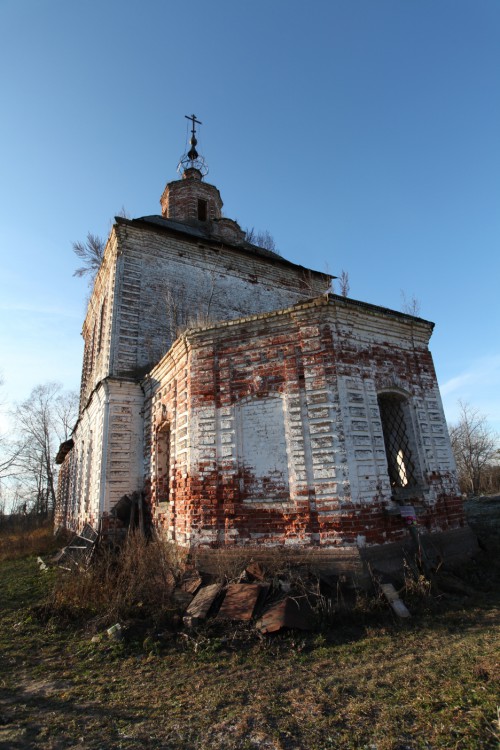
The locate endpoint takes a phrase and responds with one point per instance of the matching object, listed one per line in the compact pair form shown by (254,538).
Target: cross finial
(194,122)
(192,160)
(193,153)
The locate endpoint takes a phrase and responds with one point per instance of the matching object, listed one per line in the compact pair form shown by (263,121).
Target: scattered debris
(191,582)
(392,596)
(41,564)
(240,601)
(290,612)
(293,599)
(80,550)
(115,632)
(255,572)
(200,606)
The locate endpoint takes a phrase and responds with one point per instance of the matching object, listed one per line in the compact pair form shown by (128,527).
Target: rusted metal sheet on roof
(240,600)
(287,613)
(199,607)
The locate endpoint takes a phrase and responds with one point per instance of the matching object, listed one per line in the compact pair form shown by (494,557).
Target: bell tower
(190,200)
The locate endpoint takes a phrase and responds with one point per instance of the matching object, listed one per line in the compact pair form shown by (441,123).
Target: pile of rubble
(273,605)
(282,603)
(293,599)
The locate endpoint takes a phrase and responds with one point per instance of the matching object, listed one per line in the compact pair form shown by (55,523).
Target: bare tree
(91,253)
(42,422)
(10,458)
(410,306)
(65,414)
(9,452)
(123,213)
(474,445)
(344,283)
(176,311)
(261,238)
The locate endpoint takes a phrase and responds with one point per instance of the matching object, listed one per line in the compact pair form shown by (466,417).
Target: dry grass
(429,684)
(365,682)
(135,581)
(25,538)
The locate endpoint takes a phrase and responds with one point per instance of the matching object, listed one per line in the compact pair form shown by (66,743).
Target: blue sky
(363,134)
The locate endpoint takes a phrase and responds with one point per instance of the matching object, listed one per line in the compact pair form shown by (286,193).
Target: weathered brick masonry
(159,275)
(248,405)
(273,432)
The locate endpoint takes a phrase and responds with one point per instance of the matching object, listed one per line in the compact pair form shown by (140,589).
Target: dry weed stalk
(136,580)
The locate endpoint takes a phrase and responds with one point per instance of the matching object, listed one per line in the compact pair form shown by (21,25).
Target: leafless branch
(261,238)
(474,445)
(410,306)
(344,283)
(91,253)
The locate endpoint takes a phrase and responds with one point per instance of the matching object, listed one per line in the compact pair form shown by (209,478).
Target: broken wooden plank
(191,582)
(389,591)
(200,605)
(399,607)
(290,612)
(239,602)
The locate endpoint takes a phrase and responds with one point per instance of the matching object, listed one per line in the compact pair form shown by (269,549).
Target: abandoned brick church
(246,403)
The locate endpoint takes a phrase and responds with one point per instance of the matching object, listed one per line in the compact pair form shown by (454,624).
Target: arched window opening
(398,439)
(202,210)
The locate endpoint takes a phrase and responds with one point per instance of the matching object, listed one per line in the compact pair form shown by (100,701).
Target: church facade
(246,403)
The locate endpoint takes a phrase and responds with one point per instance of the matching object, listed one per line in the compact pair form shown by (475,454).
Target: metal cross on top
(192,160)
(193,122)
